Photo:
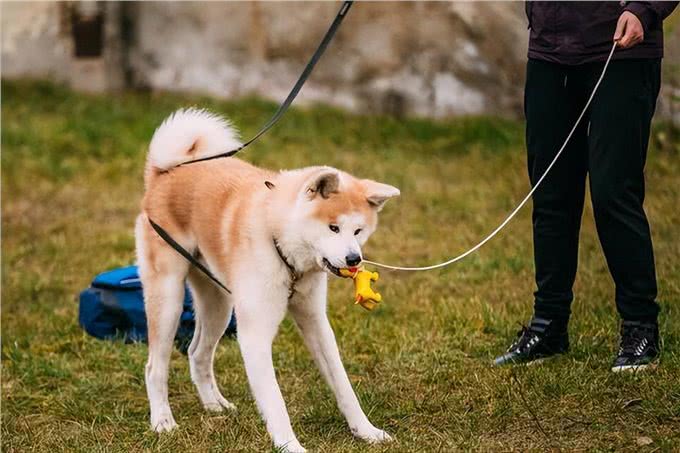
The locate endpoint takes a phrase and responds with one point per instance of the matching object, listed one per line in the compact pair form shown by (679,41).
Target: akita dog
(271,238)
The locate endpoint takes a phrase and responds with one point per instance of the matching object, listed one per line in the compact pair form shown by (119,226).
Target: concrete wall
(430,59)
(34,41)
(424,58)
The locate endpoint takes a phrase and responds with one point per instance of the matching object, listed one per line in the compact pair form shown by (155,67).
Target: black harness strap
(296,88)
(294,275)
(188,256)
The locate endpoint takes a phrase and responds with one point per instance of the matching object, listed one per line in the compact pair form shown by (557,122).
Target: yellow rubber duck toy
(363,293)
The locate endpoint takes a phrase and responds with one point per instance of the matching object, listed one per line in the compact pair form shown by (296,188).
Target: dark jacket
(581,32)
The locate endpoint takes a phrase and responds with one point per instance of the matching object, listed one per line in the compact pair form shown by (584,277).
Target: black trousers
(610,148)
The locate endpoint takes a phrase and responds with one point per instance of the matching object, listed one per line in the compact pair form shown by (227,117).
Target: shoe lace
(632,338)
(524,337)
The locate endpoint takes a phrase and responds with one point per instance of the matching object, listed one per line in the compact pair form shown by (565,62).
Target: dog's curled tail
(190,134)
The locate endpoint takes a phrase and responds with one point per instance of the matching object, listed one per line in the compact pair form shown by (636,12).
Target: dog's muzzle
(334,270)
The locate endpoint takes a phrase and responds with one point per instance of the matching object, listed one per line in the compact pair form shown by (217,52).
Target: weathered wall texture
(33,41)
(425,58)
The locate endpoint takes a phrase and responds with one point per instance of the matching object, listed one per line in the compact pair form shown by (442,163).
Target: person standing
(569,43)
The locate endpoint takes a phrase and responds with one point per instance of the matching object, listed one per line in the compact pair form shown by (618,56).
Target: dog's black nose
(353,259)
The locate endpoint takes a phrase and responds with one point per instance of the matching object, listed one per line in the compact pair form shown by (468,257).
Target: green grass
(72,181)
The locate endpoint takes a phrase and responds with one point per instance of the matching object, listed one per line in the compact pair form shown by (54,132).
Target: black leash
(188,256)
(268,125)
(296,88)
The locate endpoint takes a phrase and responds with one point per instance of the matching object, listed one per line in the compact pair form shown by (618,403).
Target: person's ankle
(558,322)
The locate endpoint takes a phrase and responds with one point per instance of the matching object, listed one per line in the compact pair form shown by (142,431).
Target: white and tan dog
(233,217)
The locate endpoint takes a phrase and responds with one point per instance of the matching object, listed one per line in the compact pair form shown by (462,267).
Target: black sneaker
(542,339)
(639,346)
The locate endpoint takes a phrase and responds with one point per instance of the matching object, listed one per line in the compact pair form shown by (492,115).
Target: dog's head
(336,214)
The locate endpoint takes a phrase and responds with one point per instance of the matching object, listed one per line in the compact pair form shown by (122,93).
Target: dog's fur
(228,213)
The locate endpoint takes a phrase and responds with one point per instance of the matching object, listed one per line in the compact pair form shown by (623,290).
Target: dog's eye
(356,232)
(334,228)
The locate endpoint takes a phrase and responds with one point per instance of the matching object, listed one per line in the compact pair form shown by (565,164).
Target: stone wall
(424,58)
(430,59)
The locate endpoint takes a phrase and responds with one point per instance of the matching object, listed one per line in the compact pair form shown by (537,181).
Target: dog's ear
(378,193)
(324,184)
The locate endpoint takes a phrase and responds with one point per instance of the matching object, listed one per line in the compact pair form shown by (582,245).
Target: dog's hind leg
(212,307)
(162,272)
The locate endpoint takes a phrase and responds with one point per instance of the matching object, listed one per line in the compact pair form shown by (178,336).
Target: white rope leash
(531,192)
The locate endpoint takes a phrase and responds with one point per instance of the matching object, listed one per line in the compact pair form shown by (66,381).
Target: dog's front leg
(310,316)
(259,316)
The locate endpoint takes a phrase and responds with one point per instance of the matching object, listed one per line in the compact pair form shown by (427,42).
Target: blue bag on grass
(113,307)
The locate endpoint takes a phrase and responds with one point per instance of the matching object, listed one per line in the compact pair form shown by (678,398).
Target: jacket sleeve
(651,13)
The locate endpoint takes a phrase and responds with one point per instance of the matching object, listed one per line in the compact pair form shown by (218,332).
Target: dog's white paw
(163,423)
(220,406)
(218,403)
(291,447)
(372,435)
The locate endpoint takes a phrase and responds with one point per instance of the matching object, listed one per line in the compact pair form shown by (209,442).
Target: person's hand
(629,31)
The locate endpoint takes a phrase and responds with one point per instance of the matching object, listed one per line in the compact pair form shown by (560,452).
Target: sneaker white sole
(528,364)
(633,368)
(538,361)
